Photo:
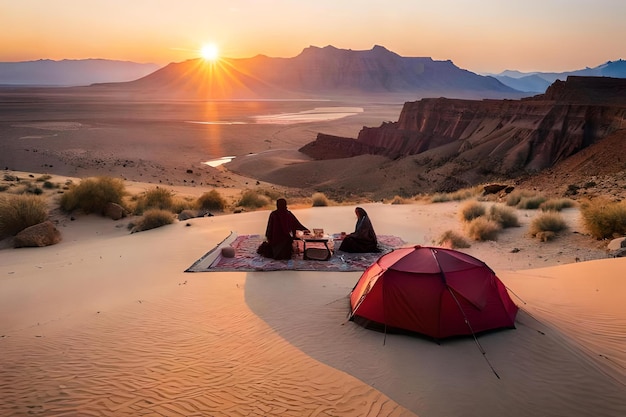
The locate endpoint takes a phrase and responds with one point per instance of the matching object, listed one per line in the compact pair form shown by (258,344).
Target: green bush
(503,215)
(481,229)
(154,218)
(92,195)
(211,200)
(320,200)
(546,225)
(557,204)
(453,240)
(604,219)
(471,210)
(17,212)
(252,199)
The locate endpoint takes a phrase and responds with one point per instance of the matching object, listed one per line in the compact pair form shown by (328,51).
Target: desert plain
(109,323)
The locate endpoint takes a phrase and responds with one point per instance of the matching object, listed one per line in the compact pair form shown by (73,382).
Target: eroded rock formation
(501,136)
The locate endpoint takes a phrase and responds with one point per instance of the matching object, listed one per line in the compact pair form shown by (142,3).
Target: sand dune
(107,323)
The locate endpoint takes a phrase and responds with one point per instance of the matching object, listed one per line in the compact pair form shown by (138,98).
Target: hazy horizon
(483,36)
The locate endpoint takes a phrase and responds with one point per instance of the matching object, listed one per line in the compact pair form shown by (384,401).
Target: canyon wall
(506,135)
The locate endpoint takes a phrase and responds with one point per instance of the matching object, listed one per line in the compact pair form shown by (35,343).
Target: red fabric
(433,291)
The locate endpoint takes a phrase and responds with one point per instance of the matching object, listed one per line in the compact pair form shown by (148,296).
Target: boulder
(114,211)
(493,188)
(616,244)
(42,234)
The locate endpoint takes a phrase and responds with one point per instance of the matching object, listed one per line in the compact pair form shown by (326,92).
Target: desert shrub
(211,200)
(546,225)
(154,218)
(440,198)
(252,199)
(481,229)
(180,204)
(459,195)
(319,200)
(92,195)
(400,200)
(604,219)
(471,210)
(514,198)
(505,216)
(557,204)
(453,240)
(3,187)
(156,198)
(17,212)
(48,185)
(43,178)
(531,203)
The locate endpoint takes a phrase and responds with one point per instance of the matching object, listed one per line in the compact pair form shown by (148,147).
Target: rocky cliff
(505,137)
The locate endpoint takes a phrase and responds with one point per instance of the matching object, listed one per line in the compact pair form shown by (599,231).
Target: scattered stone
(39,235)
(515,250)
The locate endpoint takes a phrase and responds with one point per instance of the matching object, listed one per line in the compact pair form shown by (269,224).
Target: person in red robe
(280,232)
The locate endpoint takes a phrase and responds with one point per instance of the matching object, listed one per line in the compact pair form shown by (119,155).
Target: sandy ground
(107,323)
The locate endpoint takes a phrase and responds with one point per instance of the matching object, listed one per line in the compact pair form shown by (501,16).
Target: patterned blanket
(246,258)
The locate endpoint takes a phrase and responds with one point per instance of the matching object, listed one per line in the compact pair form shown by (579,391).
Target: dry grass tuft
(154,218)
(546,225)
(17,212)
(604,219)
(453,240)
(481,229)
(503,215)
(471,210)
(93,194)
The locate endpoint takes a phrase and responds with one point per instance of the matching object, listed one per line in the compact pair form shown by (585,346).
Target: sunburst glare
(209,52)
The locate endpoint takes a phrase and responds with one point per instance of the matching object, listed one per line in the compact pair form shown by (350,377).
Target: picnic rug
(246,258)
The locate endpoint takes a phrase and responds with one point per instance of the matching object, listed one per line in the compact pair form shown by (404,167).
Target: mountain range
(326,71)
(70,72)
(538,82)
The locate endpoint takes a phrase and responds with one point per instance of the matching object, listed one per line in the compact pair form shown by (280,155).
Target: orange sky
(479,35)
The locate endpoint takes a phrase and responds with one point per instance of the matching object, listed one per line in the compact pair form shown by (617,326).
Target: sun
(209,52)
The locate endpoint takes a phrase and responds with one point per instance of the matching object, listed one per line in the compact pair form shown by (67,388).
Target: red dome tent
(437,292)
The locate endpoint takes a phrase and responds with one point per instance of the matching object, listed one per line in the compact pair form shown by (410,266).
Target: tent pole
(480,348)
(518,297)
(445,282)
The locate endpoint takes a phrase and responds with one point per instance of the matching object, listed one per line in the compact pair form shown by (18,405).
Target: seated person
(363,239)
(280,232)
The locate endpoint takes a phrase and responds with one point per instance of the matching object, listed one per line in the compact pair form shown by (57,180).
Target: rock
(114,211)
(187,214)
(42,234)
(620,253)
(493,188)
(616,244)
(228,252)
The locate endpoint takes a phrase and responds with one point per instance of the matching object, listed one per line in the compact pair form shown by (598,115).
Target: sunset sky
(478,35)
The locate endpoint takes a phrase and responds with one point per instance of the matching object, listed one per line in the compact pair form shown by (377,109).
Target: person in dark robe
(280,232)
(363,239)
